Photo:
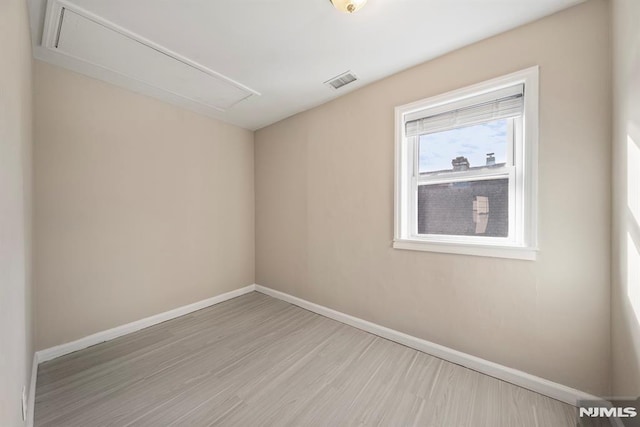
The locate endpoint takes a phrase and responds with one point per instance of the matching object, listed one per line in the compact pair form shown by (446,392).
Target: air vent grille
(341,80)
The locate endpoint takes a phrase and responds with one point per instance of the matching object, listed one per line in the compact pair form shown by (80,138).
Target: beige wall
(625,315)
(324,210)
(140,207)
(15,209)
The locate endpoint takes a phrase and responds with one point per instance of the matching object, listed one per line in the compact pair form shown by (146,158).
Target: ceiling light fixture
(348,6)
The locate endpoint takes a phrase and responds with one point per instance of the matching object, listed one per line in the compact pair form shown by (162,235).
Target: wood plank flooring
(257,361)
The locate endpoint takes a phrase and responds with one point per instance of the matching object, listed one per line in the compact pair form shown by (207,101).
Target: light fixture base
(348,6)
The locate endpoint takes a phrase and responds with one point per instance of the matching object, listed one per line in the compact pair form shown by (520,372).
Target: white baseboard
(513,376)
(60,350)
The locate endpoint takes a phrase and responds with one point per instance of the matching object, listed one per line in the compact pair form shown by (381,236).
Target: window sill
(512,252)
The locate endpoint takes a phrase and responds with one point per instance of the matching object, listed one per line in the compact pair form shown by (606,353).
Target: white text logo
(609,412)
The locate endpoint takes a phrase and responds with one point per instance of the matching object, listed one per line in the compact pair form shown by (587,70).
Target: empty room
(320,213)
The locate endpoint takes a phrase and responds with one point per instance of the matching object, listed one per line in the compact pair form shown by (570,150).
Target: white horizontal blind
(505,104)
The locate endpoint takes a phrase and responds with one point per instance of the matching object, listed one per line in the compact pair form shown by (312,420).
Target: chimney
(491,159)
(460,164)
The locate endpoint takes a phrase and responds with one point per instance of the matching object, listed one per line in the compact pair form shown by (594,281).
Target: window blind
(505,104)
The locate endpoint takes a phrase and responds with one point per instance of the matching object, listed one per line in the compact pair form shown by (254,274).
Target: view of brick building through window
(468,208)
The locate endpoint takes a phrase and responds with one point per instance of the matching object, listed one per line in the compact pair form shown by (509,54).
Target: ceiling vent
(341,80)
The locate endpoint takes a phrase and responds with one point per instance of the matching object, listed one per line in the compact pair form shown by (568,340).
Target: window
(466,170)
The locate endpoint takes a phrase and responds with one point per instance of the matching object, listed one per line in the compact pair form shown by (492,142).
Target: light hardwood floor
(257,361)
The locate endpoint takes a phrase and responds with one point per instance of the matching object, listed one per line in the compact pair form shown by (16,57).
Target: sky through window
(473,142)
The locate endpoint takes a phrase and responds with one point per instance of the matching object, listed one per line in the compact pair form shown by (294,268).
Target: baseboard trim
(531,382)
(63,349)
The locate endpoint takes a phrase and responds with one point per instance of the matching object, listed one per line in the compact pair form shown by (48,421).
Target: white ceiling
(285,49)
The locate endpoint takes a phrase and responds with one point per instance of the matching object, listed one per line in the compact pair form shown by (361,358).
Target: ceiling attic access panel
(70,31)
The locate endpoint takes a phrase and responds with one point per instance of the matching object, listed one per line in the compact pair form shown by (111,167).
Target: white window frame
(523,192)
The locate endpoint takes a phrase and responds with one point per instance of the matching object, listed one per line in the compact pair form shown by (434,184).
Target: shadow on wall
(632,225)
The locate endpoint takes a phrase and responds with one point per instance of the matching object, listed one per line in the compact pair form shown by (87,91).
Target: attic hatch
(74,32)
(341,80)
